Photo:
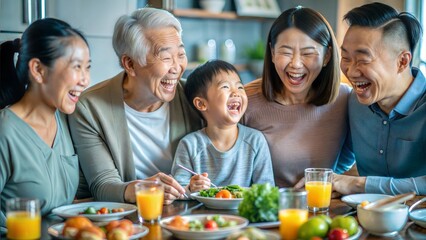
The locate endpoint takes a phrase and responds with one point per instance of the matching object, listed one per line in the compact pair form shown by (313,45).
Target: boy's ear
(200,104)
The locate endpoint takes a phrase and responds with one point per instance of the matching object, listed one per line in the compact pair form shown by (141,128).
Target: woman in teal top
(37,159)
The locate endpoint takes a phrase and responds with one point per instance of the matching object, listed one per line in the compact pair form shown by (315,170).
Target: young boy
(224,152)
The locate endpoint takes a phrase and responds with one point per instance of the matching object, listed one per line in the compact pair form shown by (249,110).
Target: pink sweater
(300,136)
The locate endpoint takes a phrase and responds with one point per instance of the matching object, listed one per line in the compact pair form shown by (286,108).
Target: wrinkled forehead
(163,36)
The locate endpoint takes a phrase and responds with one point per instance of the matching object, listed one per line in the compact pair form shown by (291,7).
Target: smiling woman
(37,158)
(299,104)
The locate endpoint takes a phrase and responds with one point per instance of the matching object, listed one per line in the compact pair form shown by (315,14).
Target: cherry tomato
(104,210)
(210,225)
(223,194)
(338,234)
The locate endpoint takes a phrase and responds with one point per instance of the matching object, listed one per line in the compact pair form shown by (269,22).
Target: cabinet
(199,26)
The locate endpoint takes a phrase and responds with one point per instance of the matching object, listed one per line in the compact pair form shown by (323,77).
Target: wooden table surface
(411,230)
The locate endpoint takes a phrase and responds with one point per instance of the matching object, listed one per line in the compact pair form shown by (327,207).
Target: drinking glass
(149,199)
(293,212)
(318,186)
(23,219)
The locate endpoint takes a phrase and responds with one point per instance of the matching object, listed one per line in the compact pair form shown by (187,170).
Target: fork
(194,173)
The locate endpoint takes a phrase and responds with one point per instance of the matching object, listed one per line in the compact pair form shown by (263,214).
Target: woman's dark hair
(394,24)
(46,39)
(326,87)
(201,77)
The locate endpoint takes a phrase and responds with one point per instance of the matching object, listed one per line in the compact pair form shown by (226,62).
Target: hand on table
(199,182)
(345,184)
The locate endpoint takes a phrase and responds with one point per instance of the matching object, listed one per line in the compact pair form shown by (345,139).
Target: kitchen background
(204,32)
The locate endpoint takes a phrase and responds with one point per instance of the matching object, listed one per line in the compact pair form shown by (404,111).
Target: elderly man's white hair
(129,32)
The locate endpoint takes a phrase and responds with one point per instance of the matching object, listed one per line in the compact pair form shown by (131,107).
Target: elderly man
(387,108)
(127,128)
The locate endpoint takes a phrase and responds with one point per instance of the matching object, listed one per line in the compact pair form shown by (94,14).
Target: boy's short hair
(200,78)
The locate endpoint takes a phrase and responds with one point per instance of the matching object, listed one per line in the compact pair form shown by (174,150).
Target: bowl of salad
(228,197)
(203,226)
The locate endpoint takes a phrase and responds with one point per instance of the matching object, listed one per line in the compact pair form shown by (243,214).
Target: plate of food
(228,197)
(355,199)
(265,224)
(96,211)
(252,233)
(203,226)
(80,226)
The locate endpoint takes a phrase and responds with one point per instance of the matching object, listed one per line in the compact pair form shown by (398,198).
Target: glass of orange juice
(293,212)
(149,199)
(318,186)
(23,219)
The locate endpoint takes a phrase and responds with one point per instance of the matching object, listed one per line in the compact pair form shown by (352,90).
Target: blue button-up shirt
(391,149)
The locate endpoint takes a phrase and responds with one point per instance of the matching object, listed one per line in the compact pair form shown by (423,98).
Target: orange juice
(319,194)
(290,221)
(154,231)
(23,225)
(150,203)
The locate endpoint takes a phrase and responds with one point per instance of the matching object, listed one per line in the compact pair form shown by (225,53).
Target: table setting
(291,214)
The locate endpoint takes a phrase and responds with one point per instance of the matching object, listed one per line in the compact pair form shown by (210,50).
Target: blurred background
(232,30)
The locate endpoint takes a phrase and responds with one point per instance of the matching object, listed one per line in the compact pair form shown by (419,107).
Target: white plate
(56,231)
(265,224)
(218,203)
(419,217)
(355,199)
(74,210)
(268,235)
(207,234)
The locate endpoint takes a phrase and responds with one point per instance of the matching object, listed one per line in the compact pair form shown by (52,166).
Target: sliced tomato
(210,225)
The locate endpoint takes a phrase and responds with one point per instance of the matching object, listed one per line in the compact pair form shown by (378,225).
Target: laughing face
(298,60)
(166,62)
(370,68)
(226,100)
(69,76)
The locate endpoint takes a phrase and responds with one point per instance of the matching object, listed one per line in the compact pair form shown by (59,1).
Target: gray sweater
(247,162)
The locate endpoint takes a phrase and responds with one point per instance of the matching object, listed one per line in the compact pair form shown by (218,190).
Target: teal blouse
(30,168)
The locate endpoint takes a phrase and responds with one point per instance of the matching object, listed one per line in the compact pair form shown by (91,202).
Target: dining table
(189,207)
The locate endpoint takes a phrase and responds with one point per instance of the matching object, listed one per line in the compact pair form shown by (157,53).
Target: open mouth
(74,95)
(361,86)
(234,107)
(296,78)
(169,84)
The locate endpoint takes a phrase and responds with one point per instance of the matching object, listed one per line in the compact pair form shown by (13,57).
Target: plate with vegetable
(228,197)
(96,211)
(203,226)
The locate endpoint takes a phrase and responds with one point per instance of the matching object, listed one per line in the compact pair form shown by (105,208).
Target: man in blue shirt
(387,107)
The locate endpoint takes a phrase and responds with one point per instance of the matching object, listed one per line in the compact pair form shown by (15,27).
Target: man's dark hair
(379,15)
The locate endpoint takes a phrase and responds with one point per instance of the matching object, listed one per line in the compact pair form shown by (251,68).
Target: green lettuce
(260,203)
